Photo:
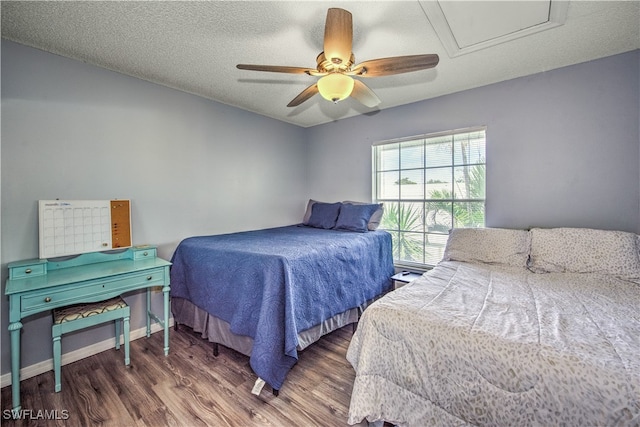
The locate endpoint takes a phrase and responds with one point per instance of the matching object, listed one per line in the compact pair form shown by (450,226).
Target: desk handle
(47,299)
(149,277)
(145,253)
(27,271)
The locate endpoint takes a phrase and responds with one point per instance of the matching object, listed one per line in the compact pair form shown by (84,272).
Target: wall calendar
(71,227)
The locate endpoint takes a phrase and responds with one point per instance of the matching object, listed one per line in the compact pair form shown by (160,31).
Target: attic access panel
(467,26)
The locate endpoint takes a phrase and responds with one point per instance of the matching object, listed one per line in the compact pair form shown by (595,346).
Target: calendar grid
(69,227)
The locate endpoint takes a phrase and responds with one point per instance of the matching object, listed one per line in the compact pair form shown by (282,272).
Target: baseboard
(81,353)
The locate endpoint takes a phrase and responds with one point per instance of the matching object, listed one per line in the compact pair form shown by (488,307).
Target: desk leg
(165,292)
(15,328)
(148,312)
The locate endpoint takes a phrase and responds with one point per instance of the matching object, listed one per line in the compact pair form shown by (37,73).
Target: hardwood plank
(131,390)
(51,400)
(93,393)
(192,387)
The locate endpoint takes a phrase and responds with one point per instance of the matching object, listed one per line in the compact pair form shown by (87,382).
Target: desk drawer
(24,270)
(90,291)
(144,253)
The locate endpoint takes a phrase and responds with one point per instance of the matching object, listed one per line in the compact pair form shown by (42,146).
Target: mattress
(472,344)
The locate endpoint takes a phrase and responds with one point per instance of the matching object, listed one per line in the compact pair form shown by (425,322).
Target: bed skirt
(217,330)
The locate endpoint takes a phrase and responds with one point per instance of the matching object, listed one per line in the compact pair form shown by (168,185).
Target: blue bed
(270,285)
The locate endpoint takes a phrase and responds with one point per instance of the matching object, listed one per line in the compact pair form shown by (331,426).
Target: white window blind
(429,184)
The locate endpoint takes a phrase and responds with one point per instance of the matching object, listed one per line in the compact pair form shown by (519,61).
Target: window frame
(425,199)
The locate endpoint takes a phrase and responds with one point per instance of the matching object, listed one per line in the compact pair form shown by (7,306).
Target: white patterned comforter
(468,344)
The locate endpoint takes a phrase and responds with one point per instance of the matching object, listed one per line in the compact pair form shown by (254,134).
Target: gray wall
(563,150)
(190,166)
(563,147)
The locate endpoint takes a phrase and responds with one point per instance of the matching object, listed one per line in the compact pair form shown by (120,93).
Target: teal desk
(40,285)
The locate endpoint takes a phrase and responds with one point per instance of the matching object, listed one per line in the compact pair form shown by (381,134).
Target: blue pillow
(324,215)
(355,217)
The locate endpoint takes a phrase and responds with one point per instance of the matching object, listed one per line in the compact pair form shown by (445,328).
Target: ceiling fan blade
(338,36)
(276,69)
(362,93)
(304,95)
(394,65)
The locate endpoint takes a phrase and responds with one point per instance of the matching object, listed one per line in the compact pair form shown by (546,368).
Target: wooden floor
(190,387)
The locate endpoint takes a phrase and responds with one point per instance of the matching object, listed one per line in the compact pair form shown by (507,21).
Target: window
(429,184)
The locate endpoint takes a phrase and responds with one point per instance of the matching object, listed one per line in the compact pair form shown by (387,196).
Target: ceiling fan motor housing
(334,65)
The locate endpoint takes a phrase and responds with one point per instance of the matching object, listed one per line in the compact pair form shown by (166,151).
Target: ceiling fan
(335,65)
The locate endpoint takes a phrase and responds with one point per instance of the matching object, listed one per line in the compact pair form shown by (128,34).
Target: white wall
(190,166)
(563,147)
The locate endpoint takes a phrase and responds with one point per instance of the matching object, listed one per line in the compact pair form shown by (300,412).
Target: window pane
(469,182)
(435,248)
(412,184)
(439,183)
(410,216)
(468,214)
(403,216)
(411,246)
(478,181)
(388,157)
(469,148)
(438,217)
(387,187)
(390,219)
(412,155)
(438,151)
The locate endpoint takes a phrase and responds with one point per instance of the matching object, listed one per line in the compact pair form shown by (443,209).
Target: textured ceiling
(194,46)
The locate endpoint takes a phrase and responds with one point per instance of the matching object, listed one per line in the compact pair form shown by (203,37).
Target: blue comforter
(272,284)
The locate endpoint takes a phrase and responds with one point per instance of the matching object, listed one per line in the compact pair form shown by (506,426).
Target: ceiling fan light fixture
(335,87)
